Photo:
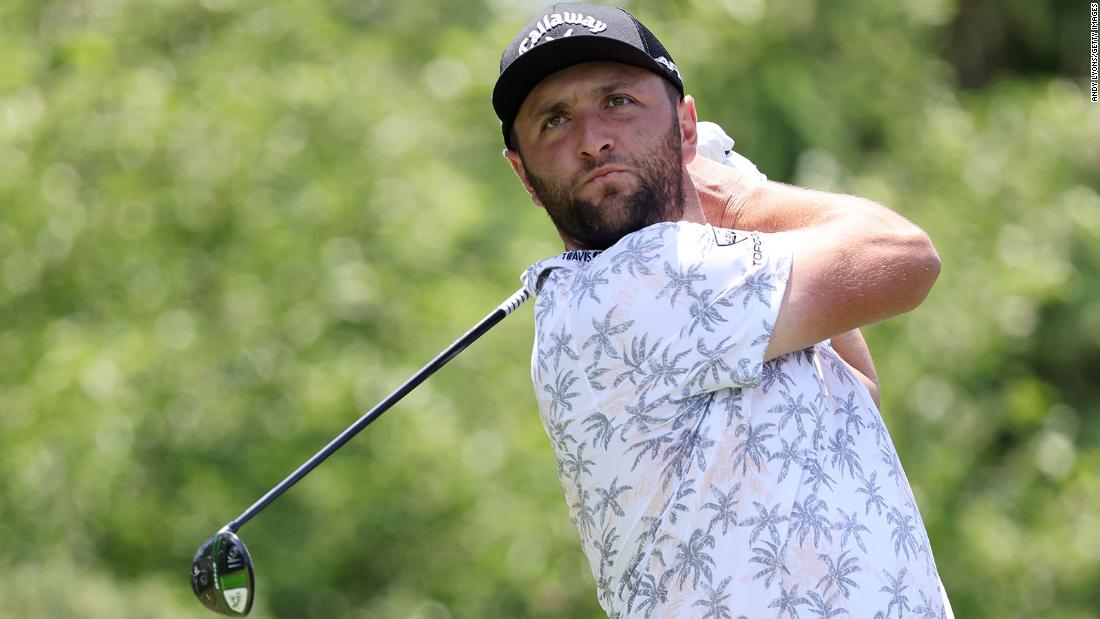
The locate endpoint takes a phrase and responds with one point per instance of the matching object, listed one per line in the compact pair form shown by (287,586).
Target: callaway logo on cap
(563,35)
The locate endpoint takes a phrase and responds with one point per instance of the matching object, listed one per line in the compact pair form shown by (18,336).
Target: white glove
(715,145)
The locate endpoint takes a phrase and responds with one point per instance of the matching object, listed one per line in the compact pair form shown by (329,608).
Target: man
(697,362)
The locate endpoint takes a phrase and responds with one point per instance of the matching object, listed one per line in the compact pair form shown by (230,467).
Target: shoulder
(535,276)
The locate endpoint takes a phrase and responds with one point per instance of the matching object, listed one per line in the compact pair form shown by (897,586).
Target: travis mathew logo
(581,255)
(553,20)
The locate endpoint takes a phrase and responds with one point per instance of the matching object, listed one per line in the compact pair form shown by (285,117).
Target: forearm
(732,199)
(772,207)
(856,262)
(852,348)
(874,257)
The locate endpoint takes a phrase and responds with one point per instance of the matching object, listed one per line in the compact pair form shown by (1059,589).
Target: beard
(659,197)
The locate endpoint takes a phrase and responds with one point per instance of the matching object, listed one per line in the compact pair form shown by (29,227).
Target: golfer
(698,368)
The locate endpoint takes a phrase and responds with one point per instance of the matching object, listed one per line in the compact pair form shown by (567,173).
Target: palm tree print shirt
(704,482)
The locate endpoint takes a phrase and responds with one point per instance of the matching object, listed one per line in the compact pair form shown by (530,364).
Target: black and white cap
(567,34)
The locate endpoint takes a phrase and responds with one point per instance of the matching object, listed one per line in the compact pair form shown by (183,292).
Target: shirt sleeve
(723,289)
(674,310)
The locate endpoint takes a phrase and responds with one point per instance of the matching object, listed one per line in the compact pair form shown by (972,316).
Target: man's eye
(553,121)
(618,101)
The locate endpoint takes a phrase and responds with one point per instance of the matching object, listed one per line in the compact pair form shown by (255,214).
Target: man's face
(600,148)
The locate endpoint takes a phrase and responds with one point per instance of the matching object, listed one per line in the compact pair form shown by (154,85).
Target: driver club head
(221,575)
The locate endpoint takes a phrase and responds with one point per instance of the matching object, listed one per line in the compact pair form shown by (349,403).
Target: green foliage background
(227,227)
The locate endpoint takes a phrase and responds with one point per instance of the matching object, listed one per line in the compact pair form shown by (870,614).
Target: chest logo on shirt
(725,238)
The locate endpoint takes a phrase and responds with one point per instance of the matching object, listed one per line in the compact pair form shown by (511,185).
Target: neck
(693,207)
(693,211)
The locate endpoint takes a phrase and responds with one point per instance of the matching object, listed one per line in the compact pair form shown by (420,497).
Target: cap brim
(521,77)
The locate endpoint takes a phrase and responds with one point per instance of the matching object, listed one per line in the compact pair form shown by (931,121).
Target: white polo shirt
(704,482)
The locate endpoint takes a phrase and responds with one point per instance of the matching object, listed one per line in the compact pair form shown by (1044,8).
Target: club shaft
(449,353)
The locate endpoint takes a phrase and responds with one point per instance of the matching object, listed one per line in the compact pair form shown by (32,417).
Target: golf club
(221,572)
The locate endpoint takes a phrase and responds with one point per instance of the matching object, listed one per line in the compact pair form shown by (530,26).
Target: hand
(722,190)
(714,144)
(721,193)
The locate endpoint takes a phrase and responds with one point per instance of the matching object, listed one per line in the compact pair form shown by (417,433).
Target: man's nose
(594,140)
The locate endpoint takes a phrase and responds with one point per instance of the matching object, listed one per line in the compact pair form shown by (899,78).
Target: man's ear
(689,132)
(517,166)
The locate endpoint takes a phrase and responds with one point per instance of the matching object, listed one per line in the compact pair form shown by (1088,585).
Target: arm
(724,197)
(852,348)
(855,262)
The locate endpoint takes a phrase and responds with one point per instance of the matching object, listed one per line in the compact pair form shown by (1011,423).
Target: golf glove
(715,145)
